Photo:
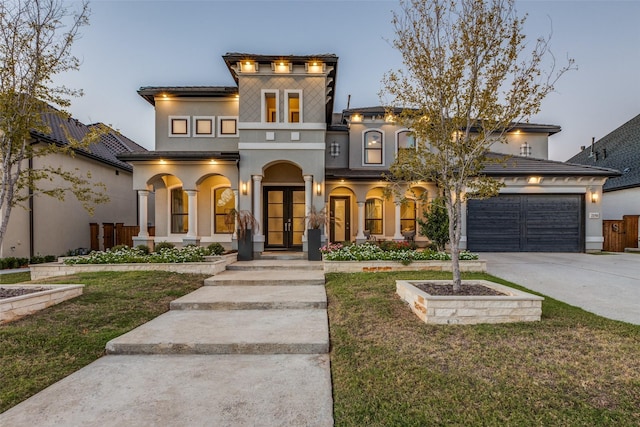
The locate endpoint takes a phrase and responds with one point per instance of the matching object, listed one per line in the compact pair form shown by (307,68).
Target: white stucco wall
(616,204)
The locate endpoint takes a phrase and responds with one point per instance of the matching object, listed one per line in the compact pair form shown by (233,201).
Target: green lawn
(43,348)
(8,279)
(390,369)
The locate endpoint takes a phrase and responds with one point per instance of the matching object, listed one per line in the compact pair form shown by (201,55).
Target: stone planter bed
(377,266)
(212,265)
(514,306)
(15,307)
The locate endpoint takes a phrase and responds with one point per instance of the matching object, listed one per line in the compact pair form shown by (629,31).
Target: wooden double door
(284,217)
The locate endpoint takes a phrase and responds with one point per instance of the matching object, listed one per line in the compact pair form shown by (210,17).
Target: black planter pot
(313,244)
(245,245)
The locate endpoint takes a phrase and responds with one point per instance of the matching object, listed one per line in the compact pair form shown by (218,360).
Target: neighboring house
(619,150)
(47,226)
(272,145)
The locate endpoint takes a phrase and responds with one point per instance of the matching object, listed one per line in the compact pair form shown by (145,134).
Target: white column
(397,235)
(257,206)
(143,215)
(360,235)
(308,194)
(193,213)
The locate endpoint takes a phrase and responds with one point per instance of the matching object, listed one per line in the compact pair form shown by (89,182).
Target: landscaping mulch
(447,290)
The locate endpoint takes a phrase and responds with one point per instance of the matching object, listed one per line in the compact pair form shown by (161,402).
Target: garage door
(526,223)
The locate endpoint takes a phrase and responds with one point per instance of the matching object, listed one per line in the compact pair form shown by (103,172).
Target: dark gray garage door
(526,223)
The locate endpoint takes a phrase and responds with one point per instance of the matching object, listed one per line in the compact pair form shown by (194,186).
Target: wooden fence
(620,233)
(114,234)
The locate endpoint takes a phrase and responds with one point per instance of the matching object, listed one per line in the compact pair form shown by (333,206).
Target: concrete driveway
(608,285)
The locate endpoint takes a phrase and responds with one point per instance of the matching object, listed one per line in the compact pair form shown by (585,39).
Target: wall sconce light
(356,118)
(319,189)
(534,180)
(243,188)
(594,196)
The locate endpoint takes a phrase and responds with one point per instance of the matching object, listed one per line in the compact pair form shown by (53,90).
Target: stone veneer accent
(15,307)
(377,266)
(515,306)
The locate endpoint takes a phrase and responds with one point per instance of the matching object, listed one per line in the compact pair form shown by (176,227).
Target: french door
(284,217)
(340,225)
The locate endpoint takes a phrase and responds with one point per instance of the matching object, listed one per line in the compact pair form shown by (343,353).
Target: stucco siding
(616,204)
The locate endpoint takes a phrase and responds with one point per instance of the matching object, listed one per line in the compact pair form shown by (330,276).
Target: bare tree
(469,75)
(35,45)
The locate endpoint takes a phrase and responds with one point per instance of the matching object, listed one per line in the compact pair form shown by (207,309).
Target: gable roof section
(619,150)
(504,166)
(104,150)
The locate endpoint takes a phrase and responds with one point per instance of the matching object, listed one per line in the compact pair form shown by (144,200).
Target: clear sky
(130,44)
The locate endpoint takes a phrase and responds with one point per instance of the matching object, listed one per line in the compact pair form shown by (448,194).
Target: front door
(284,217)
(340,226)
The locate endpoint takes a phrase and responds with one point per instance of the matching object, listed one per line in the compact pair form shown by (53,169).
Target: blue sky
(130,44)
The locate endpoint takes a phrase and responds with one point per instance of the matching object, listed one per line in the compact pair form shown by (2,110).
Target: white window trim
(287,92)
(227,135)
(263,105)
(364,141)
(213,126)
(397,134)
(173,135)
(213,212)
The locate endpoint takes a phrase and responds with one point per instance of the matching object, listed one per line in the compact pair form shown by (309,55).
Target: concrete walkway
(607,285)
(247,349)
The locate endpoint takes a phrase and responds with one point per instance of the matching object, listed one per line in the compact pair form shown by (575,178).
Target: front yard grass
(40,349)
(391,369)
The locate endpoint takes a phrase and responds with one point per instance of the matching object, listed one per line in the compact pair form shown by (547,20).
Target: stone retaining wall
(377,266)
(212,267)
(15,307)
(515,306)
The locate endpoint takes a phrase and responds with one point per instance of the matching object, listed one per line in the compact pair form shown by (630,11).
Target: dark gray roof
(381,111)
(619,150)
(150,92)
(104,150)
(180,155)
(505,166)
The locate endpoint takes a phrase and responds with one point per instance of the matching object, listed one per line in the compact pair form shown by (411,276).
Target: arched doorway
(283,207)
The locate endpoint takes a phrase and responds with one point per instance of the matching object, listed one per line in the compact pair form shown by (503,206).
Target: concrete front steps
(259,307)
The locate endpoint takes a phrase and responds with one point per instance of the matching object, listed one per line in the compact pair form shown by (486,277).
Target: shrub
(135,255)
(163,245)
(215,249)
(390,245)
(435,225)
(372,252)
(144,249)
(118,248)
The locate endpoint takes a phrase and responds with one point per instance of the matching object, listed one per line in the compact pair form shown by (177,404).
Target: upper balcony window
(179,126)
(373,142)
(293,105)
(270,106)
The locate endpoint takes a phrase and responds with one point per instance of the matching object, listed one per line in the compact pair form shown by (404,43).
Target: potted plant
(315,220)
(246,224)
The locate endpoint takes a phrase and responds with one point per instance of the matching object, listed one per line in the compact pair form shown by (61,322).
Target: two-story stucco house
(272,145)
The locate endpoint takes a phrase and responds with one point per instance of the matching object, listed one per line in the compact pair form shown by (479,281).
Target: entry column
(360,236)
(257,207)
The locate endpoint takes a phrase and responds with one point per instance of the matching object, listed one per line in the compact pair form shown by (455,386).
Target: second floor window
(179,211)
(270,106)
(373,145)
(373,216)
(294,106)
(405,140)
